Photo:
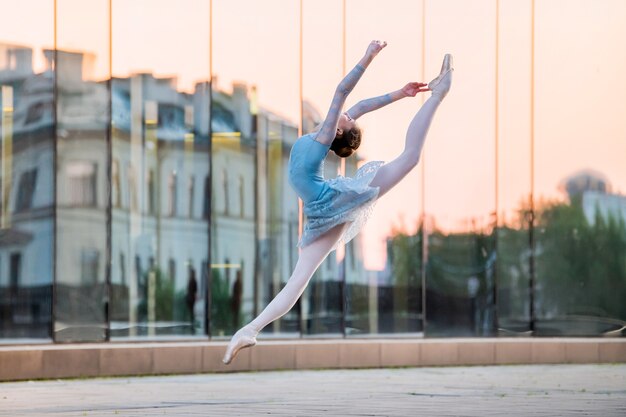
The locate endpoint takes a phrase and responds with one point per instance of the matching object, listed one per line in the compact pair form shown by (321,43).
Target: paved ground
(556,390)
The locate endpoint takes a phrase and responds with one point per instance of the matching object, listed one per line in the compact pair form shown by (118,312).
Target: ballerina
(336,209)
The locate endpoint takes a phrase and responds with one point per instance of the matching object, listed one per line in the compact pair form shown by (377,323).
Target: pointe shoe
(440,85)
(242,339)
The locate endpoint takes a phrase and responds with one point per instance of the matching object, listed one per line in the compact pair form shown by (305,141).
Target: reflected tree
(581,265)
(580,268)
(221,320)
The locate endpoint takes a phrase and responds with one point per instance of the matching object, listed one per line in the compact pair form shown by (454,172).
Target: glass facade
(144,149)
(27,166)
(322,305)
(460,268)
(385,277)
(159,168)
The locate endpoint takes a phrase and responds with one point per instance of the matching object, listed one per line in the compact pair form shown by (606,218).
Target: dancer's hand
(411,89)
(374,48)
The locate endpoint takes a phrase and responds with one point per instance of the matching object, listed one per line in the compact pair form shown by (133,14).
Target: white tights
(311,256)
(390,174)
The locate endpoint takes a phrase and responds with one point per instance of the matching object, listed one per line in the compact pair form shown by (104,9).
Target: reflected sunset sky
(579,83)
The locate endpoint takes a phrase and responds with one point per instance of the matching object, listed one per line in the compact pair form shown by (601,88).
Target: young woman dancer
(337,208)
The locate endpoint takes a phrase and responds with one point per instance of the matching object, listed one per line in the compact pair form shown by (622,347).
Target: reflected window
(89,262)
(205,276)
(138,268)
(3,192)
(81,178)
(115,178)
(151,192)
(225,187)
(351,255)
(206,203)
(171,269)
(241,198)
(172,194)
(122,268)
(26,190)
(191,195)
(132,188)
(15,269)
(35,113)
(170,116)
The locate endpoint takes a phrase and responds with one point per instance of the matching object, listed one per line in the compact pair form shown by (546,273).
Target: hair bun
(354,141)
(346,143)
(344,152)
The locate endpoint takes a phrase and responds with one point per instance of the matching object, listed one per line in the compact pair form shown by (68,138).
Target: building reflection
(159,218)
(26,194)
(133,208)
(160,205)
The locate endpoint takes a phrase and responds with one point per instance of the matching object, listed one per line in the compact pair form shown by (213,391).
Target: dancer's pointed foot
(245,337)
(441,85)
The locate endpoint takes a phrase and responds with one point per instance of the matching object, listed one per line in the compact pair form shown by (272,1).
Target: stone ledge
(153,358)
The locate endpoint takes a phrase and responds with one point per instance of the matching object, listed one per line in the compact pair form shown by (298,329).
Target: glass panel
(26,169)
(384,263)
(81,172)
(255,118)
(160,165)
(460,174)
(580,175)
(322,55)
(514,164)
(282,213)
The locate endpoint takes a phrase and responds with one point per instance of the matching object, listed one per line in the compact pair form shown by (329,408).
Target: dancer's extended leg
(390,174)
(310,258)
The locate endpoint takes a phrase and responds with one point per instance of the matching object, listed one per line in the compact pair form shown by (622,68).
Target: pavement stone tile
(519,390)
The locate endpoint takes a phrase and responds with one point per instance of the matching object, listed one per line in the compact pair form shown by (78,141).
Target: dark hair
(346,143)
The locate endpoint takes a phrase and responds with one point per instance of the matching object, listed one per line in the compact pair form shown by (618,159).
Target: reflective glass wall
(385,275)
(160,105)
(255,110)
(82,106)
(27,155)
(513,132)
(144,150)
(579,181)
(460,201)
(323,52)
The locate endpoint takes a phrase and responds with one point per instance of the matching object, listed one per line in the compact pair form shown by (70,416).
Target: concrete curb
(117,359)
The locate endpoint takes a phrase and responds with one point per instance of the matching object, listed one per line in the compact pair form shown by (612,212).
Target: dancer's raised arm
(328,131)
(375,103)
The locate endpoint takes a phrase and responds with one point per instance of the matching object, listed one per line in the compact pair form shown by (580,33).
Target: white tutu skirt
(343,200)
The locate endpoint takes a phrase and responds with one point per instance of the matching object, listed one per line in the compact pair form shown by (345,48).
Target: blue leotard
(328,203)
(306,168)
